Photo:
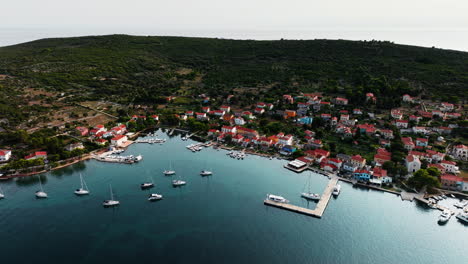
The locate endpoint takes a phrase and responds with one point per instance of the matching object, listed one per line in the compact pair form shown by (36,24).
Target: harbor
(320,207)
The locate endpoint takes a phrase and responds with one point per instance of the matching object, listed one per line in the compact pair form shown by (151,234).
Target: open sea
(215,219)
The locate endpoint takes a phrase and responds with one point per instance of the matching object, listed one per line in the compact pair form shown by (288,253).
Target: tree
(433,171)
(422,178)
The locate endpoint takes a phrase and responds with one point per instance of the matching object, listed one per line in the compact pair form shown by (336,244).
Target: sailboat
(155,197)
(178,182)
(206,172)
(111,202)
(41,193)
(309,195)
(84,188)
(147,185)
(170,171)
(2,195)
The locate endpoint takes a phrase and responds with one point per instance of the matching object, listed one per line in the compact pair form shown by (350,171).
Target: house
(446,107)
(384,143)
(247,114)
(443,130)
(465,185)
(82,131)
(228,129)
(225,108)
(460,152)
(237,139)
(119,140)
(189,113)
(119,130)
(425,114)
(415,118)
(379,176)
(259,111)
(315,143)
(247,132)
(269,106)
(349,167)
(331,164)
(362,175)
(452,182)
(218,112)
(305,120)
(155,117)
(285,140)
(317,154)
(368,129)
(341,101)
(453,115)
(408,143)
(261,105)
(400,123)
(239,121)
(422,142)
(5,155)
(100,141)
(387,133)
(36,155)
(73,146)
(287,150)
(357,111)
(370,97)
(206,109)
(212,132)
(100,128)
(382,156)
(407,98)
(412,163)
(288,99)
(358,161)
(450,166)
(201,116)
(420,130)
(395,113)
(289,113)
(437,166)
(437,113)
(303,105)
(325,116)
(435,156)
(344,117)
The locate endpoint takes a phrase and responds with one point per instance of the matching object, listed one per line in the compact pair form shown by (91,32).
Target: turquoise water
(217,219)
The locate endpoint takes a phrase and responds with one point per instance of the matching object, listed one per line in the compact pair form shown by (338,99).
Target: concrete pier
(319,209)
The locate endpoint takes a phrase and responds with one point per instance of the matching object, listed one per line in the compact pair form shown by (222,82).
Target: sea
(445,38)
(214,219)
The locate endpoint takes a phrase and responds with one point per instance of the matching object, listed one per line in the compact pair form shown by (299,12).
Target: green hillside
(140,69)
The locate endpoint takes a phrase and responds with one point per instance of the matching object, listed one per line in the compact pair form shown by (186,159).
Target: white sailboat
(111,202)
(84,188)
(41,193)
(2,195)
(154,197)
(170,171)
(309,195)
(206,173)
(147,185)
(178,182)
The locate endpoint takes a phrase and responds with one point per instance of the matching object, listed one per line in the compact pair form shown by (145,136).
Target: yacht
(461,204)
(445,216)
(276,198)
(309,195)
(138,158)
(206,173)
(463,217)
(177,183)
(41,193)
(147,185)
(84,188)
(111,202)
(170,171)
(432,205)
(336,190)
(154,197)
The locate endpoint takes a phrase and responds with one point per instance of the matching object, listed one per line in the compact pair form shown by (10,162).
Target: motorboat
(432,205)
(138,158)
(147,185)
(84,188)
(463,217)
(336,190)
(445,216)
(111,202)
(311,196)
(277,198)
(206,173)
(461,204)
(176,183)
(154,197)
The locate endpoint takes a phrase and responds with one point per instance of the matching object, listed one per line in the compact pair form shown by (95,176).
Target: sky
(442,23)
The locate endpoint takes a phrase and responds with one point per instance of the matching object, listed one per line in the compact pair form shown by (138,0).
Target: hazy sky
(217,16)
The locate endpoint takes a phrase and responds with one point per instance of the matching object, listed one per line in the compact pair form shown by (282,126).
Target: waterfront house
(73,146)
(349,167)
(362,175)
(5,155)
(119,140)
(212,132)
(247,132)
(452,182)
(412,163)
(379,176)
(225,108)
(422,142)
(285,140)
(237,139)
(287,150)
(460,152)
(82,131)
(317,154)
(450,166)
(358,161)
(36,155)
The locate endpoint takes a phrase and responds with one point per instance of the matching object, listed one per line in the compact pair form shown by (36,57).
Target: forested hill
(141,68)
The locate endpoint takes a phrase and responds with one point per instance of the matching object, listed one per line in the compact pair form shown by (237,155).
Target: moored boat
(111,202)
(445,216)
(154,197)
(336,190)
(84,188)
(177,183)
(206,173)
(41,193)
(463,217)
(277,198)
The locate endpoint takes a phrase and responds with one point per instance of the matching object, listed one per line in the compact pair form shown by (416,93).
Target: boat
(432,205)
(177,183)
(309,195)
(138,158)
(147,185)
(461,204)
(444,196)
(41,193)
(445,216)
(170,171)
(277,198)
(84,188)
(336,190)
(111,202)
(206,173)
(154,197)
(2,195)
(463,217)
(451,195)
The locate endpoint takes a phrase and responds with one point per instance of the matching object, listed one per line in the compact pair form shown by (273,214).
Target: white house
(73,146)
(460,152)
(119,140)
(285,140)
(239,121)
(5,155)
(228,129)
(413,164)
(450,166)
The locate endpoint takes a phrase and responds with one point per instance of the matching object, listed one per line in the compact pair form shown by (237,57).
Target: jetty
(319,209)
(439,207)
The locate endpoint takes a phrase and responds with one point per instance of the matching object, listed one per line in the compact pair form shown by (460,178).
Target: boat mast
(40,183)
(112,195)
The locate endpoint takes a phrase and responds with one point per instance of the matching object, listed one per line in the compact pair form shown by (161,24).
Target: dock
(319,209)
(439,207)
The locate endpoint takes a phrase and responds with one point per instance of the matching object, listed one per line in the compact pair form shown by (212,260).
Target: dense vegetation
(140,69)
